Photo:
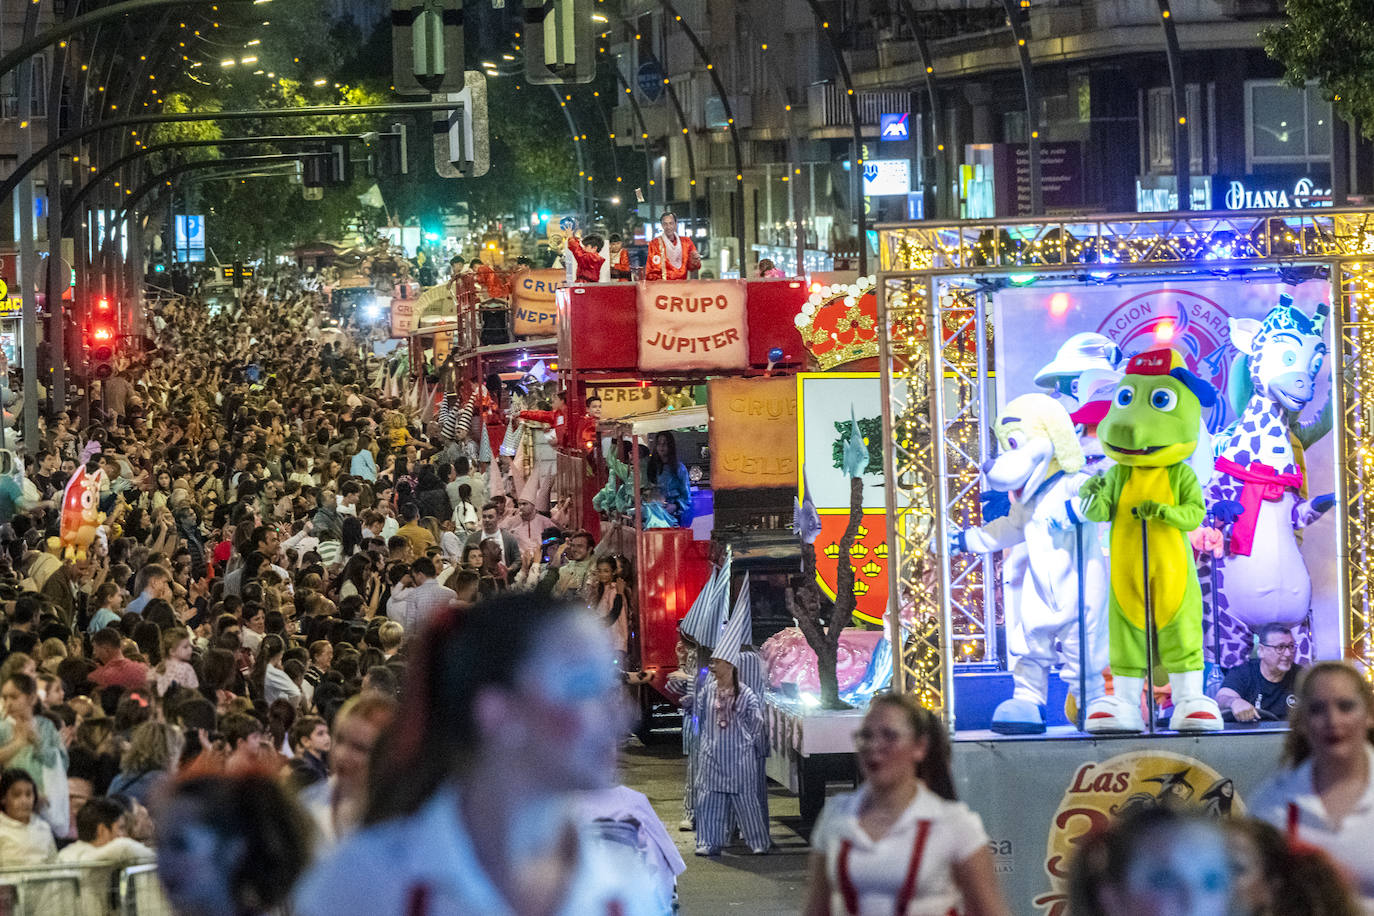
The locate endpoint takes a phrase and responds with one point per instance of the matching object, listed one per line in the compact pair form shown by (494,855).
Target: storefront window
(1286,124)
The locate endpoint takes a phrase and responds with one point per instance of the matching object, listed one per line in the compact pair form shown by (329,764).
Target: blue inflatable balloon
(775,354)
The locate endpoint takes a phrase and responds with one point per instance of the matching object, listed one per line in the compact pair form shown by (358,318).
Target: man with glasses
(1262,688)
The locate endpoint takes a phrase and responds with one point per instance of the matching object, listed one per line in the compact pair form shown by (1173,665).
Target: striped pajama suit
(727,772)
(751,676)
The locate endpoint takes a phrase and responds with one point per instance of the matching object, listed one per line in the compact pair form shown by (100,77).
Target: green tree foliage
(1331,42)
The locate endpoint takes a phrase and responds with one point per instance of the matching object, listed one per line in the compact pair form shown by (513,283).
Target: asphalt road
(735,882)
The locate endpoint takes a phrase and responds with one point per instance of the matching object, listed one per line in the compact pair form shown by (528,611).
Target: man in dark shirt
(1263,684)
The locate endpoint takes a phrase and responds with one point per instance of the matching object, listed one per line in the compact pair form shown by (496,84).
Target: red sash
(1262,484)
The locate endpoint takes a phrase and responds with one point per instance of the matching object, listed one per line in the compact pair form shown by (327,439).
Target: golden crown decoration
(839,324)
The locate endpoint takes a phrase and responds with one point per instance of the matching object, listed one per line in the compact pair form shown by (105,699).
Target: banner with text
(402,317)
(753,432)
(535,312)
(690,325)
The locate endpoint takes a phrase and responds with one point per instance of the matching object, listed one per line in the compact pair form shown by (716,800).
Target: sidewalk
(771,885)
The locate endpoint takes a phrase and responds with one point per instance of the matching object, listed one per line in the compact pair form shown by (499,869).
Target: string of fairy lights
(966,260)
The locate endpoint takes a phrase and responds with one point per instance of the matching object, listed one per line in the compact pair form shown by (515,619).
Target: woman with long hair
(512,709)
(230,845)
(352,537)
(493,577)
(669,475)
(612,607)
(149,761)
(903,843)
(1324,794)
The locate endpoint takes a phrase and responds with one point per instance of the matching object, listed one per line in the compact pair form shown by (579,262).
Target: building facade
(945,122)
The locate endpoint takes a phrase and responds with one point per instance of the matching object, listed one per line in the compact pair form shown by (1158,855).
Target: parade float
(1216,485)
(710,362)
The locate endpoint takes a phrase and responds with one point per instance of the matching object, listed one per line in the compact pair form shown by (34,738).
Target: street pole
(25,268)
(57,315)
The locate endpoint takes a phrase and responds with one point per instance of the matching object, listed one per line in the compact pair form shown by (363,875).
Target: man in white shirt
(101,847)
(427,598)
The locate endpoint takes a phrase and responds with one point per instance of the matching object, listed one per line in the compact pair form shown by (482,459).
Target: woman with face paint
(511,709)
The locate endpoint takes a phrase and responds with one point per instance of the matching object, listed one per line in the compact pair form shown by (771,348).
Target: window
(1160,127)
(1286,123)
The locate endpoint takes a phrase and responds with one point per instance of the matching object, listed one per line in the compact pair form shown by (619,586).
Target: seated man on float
(1262,688)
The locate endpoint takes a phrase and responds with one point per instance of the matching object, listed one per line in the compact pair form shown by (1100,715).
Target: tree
(1329,41)
(822,635)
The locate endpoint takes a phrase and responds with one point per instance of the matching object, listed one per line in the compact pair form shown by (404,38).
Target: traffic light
(389,153)
(560,41)
(426,46)
(102,336)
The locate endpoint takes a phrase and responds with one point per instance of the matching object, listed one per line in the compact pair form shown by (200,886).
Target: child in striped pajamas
(730,717)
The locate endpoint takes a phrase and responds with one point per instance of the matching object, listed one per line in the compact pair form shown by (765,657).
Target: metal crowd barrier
(82,890)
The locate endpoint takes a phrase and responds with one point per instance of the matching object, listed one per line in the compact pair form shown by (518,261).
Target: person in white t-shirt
(1324,796)
(512,708)
(902,844)
(101,847)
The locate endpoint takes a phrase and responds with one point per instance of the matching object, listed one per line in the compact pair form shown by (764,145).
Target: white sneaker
(1194,711)
(686,825)
(1113,714)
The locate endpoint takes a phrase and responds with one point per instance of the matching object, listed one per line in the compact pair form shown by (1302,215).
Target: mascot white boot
(1040,468)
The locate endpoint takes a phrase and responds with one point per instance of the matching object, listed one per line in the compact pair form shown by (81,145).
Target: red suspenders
(417,903)
(850,893)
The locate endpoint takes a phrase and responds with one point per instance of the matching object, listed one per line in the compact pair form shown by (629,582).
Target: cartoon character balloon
(81,515)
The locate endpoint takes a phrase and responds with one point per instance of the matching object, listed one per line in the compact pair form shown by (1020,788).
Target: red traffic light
(102,333)
(102,304)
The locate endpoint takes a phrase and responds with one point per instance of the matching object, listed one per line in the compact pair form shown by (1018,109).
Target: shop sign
(1257,193)
(10,307)
(692,325)
(533,299)
(894,127)
(1061,176)
(887,177)
(753,432)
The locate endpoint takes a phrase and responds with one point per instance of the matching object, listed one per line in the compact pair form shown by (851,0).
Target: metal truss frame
(935,354)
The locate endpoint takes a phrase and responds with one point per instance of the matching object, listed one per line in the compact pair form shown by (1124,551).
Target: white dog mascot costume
(1041,468)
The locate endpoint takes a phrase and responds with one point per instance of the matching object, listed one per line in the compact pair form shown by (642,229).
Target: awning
(659,421)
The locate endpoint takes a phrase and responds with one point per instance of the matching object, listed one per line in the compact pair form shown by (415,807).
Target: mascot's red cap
(1165,361)
(1152,362)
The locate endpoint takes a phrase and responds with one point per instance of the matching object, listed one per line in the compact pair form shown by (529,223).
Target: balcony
(828,106)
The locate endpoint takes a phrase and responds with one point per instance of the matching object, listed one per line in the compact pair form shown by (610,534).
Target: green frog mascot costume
(1150,431)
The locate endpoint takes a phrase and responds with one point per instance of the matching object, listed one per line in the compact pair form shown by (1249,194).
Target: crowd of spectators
(275,534)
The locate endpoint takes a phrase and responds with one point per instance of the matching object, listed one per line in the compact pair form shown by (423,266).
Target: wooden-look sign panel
(753,432)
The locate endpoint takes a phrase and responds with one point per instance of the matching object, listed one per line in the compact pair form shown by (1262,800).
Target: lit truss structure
(941,275)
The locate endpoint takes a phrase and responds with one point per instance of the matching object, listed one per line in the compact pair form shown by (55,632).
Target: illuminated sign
(894,127)
(1250,194)
(887,177)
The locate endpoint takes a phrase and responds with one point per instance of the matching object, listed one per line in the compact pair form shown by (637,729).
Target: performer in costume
(739,630)
(1040,468)
(731,717)
(1150,432)
(671,256)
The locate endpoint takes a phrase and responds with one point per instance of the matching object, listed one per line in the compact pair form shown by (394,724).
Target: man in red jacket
(671,256)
